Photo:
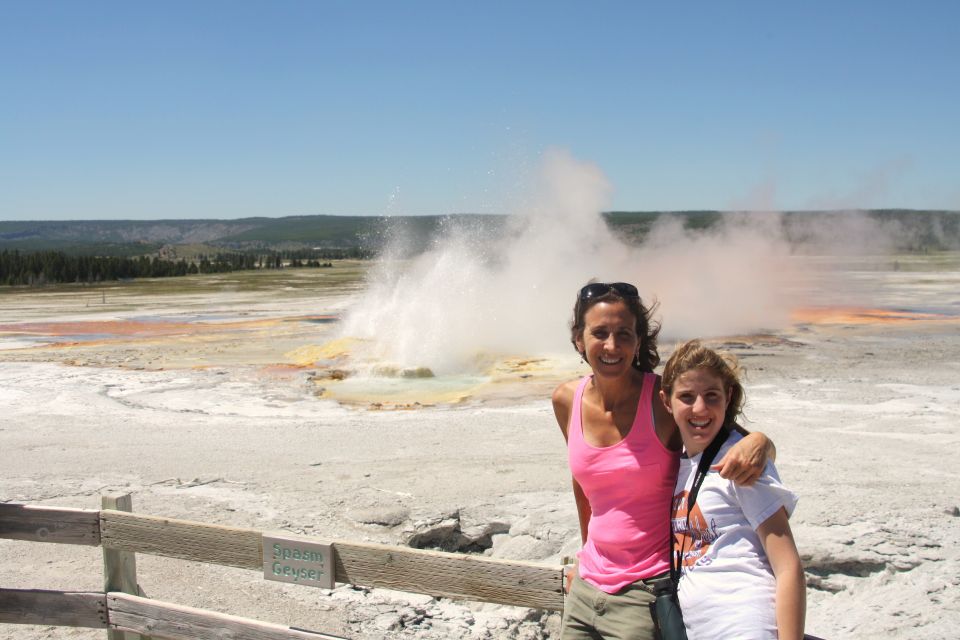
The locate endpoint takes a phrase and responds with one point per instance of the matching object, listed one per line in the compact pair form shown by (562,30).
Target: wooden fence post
(120,567)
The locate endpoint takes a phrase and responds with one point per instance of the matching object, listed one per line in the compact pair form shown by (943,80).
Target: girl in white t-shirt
(741,573)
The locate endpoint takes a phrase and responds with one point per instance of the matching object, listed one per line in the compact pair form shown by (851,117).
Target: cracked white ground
(865,412)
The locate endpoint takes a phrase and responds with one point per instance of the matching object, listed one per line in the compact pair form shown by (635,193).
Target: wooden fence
(122,534)
(123,613)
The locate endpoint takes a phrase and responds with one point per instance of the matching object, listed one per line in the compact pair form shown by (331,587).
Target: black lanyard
(676,558)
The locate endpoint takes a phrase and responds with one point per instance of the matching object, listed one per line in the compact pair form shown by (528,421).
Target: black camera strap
(676,558)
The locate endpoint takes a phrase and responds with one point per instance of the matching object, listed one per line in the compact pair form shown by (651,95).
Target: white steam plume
(737,277)
(469,300)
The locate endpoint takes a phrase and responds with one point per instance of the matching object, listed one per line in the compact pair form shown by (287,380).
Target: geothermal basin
(241,400)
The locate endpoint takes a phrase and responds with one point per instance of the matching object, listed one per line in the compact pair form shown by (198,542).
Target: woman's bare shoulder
(564,392)
(563,402)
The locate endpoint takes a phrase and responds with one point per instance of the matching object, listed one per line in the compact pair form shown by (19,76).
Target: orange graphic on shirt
(693,542)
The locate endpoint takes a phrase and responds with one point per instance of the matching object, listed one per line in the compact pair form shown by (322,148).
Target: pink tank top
(630,487)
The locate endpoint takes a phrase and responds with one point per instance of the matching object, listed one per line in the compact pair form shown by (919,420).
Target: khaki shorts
(594,614)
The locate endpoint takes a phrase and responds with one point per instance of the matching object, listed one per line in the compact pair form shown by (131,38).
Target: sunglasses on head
(597,289)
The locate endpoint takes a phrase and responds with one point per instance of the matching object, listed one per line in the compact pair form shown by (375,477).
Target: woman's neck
(614,392)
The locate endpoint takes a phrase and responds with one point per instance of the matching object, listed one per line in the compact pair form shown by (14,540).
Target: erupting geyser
(472,299)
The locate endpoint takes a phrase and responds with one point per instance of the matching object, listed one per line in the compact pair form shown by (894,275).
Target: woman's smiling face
(698,404)
(609,341)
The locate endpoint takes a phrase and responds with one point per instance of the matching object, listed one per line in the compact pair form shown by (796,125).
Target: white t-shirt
(727,588)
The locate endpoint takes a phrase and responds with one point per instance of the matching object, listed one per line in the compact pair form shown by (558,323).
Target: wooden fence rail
(50,524)
(59,608)
(124,612)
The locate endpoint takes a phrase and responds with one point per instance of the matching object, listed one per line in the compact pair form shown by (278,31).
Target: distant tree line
(48,267)
(317,253)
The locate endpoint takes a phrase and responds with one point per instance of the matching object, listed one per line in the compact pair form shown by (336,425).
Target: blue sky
(231,109)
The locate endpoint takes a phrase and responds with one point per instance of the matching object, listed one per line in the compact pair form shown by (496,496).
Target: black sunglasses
(597,289)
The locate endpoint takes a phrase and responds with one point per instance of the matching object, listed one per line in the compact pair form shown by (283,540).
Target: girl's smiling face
(698,403)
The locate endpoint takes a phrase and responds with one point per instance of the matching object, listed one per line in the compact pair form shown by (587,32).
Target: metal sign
(298,560)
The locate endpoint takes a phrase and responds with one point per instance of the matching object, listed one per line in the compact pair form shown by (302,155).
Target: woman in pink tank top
(623,450)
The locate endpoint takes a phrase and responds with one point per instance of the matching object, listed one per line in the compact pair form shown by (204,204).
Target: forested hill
(134,237)
(907,230)
(137,237)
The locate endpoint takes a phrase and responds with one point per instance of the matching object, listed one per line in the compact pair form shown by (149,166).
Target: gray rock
(387,621)
(455,530)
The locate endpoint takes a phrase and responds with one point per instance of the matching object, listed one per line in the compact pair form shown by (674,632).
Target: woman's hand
(569,571)
(745,461)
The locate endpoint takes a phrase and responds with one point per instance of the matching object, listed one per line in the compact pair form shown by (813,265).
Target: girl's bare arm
(777,541)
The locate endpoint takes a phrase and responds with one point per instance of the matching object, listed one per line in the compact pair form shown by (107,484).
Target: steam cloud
(470,299)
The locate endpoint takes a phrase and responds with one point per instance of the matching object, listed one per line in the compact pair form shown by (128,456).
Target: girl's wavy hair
(647,329)
(692,355)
